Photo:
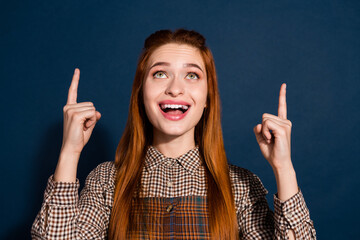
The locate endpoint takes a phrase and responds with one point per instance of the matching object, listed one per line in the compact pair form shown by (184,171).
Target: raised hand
(79,119)
(274,134)
(79,122)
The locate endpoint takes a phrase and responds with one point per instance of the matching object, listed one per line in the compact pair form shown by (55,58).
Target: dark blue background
(311,45)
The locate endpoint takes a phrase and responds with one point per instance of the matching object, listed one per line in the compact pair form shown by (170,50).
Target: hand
(273,135)
(79,119)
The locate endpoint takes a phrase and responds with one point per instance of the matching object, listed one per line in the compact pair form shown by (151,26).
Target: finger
(83,117)
(72,95)
(78,106)
(76,110)
(92,121)
(282,110)
(276,119)
(265,131)
(270,125)
(272,130)
(258,134)
(82,104)
(98,115)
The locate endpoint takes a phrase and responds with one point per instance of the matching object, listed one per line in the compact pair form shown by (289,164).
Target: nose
(175,87)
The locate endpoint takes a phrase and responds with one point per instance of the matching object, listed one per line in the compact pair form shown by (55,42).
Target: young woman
(170,178)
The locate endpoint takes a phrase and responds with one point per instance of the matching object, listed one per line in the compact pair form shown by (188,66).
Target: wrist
(285,168)
(70,151)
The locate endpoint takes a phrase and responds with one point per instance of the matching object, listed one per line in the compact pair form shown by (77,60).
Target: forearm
(286,182)
(58,211)
(66,168)
(287,187)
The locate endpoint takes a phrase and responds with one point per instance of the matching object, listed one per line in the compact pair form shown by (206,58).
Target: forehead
(177,53)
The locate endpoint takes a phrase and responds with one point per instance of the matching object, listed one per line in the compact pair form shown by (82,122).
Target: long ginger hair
(138,135)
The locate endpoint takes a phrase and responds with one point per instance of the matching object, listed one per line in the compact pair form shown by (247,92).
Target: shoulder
(242,176)
(247,186)
(99,186)
(104,175)
(239,174)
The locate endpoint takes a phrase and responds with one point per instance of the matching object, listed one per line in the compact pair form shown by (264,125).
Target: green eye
(192,76)
(159,75)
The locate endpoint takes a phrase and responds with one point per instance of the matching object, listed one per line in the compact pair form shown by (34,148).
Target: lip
(173,117)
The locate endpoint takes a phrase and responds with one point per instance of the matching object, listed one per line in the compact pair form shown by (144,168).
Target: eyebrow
(192,65)
(160,64)
(168,64)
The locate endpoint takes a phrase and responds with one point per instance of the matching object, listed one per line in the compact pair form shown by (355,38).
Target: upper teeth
(174,106)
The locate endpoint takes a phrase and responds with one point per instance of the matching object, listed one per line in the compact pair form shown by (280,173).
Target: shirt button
(289,215)
(169,208)
(169,184)
(170,162)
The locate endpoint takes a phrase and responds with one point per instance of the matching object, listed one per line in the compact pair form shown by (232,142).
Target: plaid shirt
(174,194)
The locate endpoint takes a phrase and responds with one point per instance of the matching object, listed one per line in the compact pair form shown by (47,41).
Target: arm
(58,217)
(60,200)
(257,221)
(64,216)
(273,136)
(287,187)
(79,122)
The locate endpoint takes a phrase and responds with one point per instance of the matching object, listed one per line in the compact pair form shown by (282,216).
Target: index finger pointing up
(282,110)
(72,95)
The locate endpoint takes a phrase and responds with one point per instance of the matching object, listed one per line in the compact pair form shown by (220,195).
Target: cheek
(150,94)
(146,96)
(201,94)
(147,91)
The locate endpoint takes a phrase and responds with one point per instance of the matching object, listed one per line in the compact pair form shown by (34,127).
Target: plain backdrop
(311,45)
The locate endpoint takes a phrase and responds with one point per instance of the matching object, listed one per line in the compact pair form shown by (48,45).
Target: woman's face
(175,90)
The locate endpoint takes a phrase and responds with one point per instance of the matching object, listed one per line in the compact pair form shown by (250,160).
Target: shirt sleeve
(63,215)
(293,214)
(257,221)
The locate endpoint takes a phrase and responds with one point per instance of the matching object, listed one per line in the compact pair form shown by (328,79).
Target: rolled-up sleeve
(65,215)
(293,214)
(59,209)
(257,221)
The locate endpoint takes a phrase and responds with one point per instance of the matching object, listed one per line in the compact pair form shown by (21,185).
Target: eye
(159,74)
(192,75)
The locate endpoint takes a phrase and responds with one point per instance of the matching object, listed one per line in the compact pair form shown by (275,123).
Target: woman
(170,178)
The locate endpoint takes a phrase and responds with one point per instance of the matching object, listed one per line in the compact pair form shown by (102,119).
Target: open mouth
(174,109)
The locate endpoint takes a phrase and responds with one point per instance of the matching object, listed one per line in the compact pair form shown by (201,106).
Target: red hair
(137,136)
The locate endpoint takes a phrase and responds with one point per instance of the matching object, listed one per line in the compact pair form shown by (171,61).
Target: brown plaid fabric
(174,197)
(171,218)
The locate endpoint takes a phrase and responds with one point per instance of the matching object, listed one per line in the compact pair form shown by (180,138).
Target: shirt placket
(169,176)
(170,203)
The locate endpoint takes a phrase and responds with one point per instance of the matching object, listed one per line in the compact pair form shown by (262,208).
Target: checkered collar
(190,160)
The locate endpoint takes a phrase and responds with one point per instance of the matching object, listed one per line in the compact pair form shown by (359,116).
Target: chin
(174,131)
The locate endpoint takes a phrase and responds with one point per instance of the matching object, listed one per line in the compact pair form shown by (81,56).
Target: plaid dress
(173,196)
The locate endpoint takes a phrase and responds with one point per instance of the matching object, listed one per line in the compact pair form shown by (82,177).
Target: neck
(174,146)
